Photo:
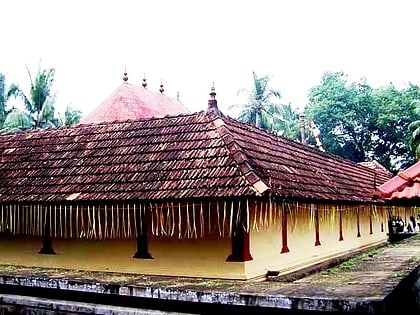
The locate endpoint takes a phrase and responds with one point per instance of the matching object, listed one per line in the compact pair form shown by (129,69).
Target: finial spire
(212,104)
(177,95)
(125,77)
(302,121)
(144,84)
(161,90)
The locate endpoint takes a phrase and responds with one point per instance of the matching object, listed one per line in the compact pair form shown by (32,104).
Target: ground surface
(366,278)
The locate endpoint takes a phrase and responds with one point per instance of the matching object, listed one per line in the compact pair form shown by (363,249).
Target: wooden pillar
(340,238)
(141,228)
(239,236)
(46,236)
(317,241)
(358,221)
(370,221)
(284,248)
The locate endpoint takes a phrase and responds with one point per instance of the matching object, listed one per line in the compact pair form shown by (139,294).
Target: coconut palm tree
(40,103)
(4,96)
(3,99)
(286,121)
(16,120)
(259,109)
(72,116)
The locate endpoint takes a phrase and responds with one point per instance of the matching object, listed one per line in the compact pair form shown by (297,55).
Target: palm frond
(15,91)
(17,120)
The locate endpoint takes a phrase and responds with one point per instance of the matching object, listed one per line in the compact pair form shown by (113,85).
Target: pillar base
(140,255)
(47,251)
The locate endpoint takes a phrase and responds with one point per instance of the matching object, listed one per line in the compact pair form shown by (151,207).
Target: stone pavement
(369,283)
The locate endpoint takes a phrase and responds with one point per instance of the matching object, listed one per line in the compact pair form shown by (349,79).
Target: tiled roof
(184,156)
(295,170)
(405,185)
(376,166)
(131,102)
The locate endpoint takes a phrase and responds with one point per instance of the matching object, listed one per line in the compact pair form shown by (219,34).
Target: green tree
(414,130)
(396,111)
(286,121)
(40,102)
(342,113)
(361,123)
(259,108)
(72,116)
(16,120)
(4,97)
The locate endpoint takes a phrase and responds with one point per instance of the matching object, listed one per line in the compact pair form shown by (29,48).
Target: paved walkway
(361,284)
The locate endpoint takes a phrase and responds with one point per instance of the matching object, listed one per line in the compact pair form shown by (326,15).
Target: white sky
(190,44)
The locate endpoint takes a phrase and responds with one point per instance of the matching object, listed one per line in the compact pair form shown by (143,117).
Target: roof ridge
(237,154)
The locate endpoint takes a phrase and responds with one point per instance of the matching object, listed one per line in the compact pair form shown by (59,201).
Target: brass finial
(125,77)
(212,103)
(144,84)
(161,90)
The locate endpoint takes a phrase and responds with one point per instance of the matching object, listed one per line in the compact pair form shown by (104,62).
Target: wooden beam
(317,241)
(284,248)
(341,224)
(239,235)
(141,228)
(46,235)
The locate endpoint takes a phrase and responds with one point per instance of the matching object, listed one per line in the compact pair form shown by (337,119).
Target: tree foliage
(4,96)
(414,130)
(262,109)
(361,123)
(16,120)
(39,104)
(286,122)
(72,116)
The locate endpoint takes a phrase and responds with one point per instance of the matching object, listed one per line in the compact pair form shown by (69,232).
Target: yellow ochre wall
(266,244)
(172,257)
(206,256)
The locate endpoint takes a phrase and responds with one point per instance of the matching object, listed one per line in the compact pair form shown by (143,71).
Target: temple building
(132,102)
(189,194)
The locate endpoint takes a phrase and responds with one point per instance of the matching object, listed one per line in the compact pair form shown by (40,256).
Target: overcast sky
(191,44)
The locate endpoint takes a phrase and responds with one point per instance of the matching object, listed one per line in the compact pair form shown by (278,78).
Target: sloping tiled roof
(131,102)
(405,185)
(299,171)
(376,166)
(184,156)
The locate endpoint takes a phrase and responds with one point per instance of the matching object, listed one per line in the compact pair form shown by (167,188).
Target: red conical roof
(130,102)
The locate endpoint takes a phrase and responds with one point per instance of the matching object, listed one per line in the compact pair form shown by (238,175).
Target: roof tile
(185,156)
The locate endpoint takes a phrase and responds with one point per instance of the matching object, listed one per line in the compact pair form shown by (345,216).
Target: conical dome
(130,102)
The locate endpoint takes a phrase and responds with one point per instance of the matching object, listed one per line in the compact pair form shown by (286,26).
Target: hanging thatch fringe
(216,218)
(2,222)
(231,218)
(179,220)
(134,219)
(225,223)
(201,220)
(247,216)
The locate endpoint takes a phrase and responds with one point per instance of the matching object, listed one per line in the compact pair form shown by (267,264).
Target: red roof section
(186,156)
(131,102)
(405,185)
